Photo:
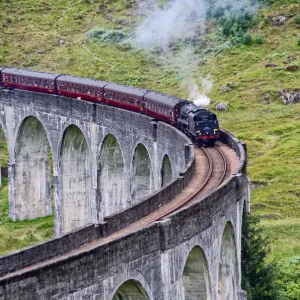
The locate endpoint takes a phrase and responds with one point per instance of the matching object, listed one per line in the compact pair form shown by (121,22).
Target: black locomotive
(199,124)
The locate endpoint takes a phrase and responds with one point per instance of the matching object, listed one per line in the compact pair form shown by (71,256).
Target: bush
(298,42)
(247,39)
(297,19)
(106,35)
(259,40)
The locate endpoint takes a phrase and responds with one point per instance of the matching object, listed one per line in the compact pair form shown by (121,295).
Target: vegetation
(258,276)
(17,235)
(78,37)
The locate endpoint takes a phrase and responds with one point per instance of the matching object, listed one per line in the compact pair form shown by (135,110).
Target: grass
(286,236)
(30,37)
(20,234)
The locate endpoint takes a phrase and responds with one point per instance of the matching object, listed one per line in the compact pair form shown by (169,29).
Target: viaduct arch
(187,255)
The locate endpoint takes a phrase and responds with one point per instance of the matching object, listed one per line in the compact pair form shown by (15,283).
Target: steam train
(198,123)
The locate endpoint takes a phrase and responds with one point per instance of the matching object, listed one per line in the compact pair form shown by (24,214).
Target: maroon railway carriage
(81,88)
(163,107)
(126,97)
(29,80)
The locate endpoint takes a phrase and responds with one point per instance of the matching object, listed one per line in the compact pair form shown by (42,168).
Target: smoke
(184,20)
(199,97)
(173,22)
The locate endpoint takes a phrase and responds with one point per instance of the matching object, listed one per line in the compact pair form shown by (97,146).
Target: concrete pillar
(166,171)
(11,184)
(75,181)
(142,174)
(32,180)
(195,277)
(57,206)
(227,283)
(112,179)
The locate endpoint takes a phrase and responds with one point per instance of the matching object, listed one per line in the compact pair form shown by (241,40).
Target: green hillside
(90,38)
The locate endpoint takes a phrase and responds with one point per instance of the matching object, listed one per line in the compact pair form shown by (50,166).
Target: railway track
(213,166)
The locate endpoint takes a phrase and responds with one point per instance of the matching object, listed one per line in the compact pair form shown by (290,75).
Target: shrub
(106,35)
(297,19)
(247,39)
(259,40)
(298,42)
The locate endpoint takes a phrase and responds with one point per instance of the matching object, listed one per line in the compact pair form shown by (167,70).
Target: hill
(248,59)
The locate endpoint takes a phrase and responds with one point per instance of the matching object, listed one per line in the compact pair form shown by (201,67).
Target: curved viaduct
(105,161)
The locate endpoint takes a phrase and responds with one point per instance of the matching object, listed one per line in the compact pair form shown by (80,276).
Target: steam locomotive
(198,123)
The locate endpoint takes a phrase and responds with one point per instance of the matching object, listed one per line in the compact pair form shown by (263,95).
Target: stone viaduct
(105,162)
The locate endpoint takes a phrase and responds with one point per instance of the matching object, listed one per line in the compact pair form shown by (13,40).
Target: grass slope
(30,37)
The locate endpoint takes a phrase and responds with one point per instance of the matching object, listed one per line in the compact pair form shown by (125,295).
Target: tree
(258,276)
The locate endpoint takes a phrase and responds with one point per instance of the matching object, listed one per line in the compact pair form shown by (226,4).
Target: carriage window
(19,80)
(88,91)
(77,88)
(23,80)
(45,83)
(29,81)
(73,89)
(83,89)
(93,91)
(68,87)
(98,93)
(35,82)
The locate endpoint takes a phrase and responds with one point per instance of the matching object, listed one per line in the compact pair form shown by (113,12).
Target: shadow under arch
(227,275)
(75,179)
(32,186)
(195,276)
(166,171)
(130,290)
(142,183)
(111,176)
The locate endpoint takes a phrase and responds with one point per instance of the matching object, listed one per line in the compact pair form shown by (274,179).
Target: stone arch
(166,171)
(130,290)
(227,278)
(3,146)
(32,186)
(142,183)
(195,276)
(111,176)
(75,179)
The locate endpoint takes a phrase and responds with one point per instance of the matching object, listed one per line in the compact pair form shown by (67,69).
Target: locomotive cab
(206,127)
(200,124)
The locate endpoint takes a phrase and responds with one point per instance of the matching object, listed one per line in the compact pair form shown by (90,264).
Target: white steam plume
(181,19)
(200,98)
